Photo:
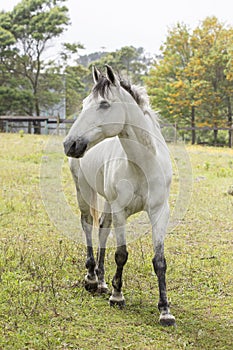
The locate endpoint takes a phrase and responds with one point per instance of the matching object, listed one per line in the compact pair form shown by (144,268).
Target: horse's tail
(94,209)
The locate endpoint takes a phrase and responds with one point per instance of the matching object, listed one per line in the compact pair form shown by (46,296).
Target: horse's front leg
(159,225)
(121,256)
(104,230)
(91,280)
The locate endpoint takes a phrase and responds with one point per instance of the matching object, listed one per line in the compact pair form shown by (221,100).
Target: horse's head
(103,114)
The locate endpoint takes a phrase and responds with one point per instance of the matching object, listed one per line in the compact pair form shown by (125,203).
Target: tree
(129,61)
(27,31)
(77,79)
(14,92)
(194,76)
(212,43)
(169,87)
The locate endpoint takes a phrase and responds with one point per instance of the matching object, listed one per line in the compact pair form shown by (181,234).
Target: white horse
(118,152)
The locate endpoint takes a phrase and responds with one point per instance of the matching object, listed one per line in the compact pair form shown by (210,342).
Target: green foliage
(6,38)
(130,62)
(25,33)
(69,50)
(39,20)
(78,80)
(192,83)
(17,100)
(50,88)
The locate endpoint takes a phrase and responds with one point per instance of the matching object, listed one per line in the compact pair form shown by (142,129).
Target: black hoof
(91,286)
(119,303)
(167,320)
(102,290)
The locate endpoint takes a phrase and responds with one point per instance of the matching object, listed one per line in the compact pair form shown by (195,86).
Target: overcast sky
(108,24)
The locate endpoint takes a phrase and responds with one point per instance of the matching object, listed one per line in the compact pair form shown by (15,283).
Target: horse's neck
(138,138)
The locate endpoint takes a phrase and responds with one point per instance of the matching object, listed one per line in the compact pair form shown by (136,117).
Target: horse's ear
(96,74)
(111,76)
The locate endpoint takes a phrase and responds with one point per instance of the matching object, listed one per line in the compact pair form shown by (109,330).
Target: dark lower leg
(160,267)
(105,224)
(87,221)
(159,221)
(90,263)
(159,263)
(100,269)
(121,257)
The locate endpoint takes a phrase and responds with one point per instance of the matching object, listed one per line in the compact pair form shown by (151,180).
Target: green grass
(43,304)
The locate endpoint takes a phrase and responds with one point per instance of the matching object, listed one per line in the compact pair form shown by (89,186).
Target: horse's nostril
(72,147)
(69,147)
(76,148)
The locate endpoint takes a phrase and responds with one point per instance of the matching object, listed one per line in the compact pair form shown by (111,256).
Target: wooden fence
(10,123)
(56,124)
(215,129)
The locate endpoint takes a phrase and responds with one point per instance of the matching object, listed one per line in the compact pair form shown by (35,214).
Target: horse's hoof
(91,285)
(167,320)
(117,301)
(120,304)
(103,288)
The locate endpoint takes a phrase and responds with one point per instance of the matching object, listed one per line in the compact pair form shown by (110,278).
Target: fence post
(46,127)
(29,127)
(7,126)
(58,124)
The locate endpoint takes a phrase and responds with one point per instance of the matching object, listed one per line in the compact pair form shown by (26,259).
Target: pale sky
(140,23)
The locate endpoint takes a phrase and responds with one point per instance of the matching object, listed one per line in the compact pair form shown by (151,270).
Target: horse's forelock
(102,87)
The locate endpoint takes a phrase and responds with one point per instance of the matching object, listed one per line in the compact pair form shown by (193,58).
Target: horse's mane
(141,97)
(139,94)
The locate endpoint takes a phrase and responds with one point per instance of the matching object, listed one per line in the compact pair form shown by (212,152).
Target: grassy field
(43,304)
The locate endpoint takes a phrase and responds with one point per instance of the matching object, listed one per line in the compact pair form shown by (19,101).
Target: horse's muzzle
(75,149)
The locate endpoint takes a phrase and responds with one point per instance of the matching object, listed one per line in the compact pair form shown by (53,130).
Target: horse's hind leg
(91,280)
(159,226)
(104,230)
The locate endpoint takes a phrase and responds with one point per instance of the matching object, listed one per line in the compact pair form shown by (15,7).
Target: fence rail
(7,123)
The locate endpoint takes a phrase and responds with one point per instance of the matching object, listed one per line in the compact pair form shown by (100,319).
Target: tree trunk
(215,134)
(230,123)
(231,135)
(1,126)
(193,125)
(37,127)
(37,124)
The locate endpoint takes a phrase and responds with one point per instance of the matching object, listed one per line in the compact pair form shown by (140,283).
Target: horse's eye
(104,105)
